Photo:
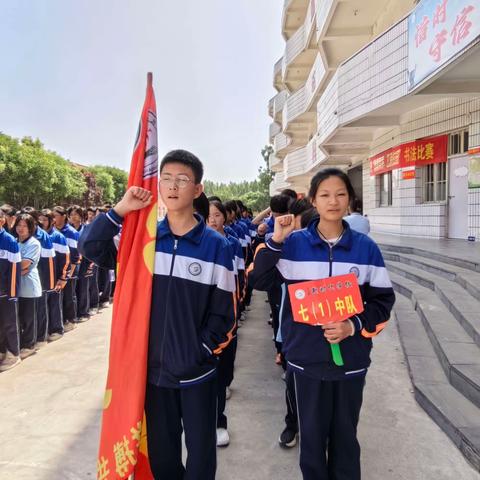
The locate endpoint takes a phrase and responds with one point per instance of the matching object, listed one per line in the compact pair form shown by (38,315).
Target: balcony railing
(294,46)
(376,75)
(279,102)
(278,184)
(303,160)
(327,110)
(274,129)
(280,142)
(294,163)
(270,106)
(295,106)
(275,163)
(277,68)
(323,12)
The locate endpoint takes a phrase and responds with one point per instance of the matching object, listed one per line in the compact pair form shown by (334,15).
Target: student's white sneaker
(228,393)
(10,361)
(54,337)
(223,439)
(27,352)
(68,326)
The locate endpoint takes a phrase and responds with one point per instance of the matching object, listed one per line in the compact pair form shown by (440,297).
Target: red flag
(123,448)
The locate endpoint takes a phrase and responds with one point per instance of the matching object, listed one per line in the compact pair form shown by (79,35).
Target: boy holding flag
(191,319)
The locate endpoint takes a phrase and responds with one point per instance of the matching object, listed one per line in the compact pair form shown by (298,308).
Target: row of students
(182,384)
(39,257)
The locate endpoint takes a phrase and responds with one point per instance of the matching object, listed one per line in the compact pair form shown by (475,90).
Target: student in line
(47,277)
(30,287)
(69,291)
(61,265)
(356,219)
(192,318)
(10,268)
(329,397)
(216,220)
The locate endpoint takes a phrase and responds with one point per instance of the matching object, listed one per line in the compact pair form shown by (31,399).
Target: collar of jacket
(315,239)
(195,235)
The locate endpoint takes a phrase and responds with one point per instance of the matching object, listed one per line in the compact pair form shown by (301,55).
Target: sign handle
(336,354)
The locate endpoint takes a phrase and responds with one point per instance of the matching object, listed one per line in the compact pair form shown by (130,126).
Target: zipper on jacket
(162,349)
(330,259)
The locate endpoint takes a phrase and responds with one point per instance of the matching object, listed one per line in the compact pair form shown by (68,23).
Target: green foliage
(254,194)
(32,175)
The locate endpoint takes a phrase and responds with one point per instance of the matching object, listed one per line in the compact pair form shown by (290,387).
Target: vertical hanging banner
(437,31)
(123,448)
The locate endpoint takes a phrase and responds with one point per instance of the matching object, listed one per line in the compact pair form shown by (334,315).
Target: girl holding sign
(336,297)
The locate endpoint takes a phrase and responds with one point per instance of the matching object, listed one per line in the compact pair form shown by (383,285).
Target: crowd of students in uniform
(56,270)
(211,253)
(46,286)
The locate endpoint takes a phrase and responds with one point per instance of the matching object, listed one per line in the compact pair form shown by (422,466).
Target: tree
(254,194)
(32,175)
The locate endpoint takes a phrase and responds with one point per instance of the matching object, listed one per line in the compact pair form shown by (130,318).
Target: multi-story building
(388,90)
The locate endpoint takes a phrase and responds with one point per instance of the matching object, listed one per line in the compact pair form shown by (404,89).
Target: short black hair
(231,206)
(8,210)
(214,198)
(299,206)
(308,216)
(185,158)
(221,207)
(59,210)
(29,220)
(201,205)
(289,193)
(31,211)
(327,173)
(280,203)
(241,206)
(76,209)
(46,212)
(92,209)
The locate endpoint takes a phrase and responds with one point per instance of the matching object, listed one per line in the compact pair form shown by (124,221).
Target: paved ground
(50,411)
(462,249)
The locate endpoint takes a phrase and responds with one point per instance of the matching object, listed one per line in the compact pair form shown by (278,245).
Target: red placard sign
(417,153)
(332,299)
(408,174)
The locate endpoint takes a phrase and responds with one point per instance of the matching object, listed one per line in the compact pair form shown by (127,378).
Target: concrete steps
(456,261)
(456,415)
(438,318)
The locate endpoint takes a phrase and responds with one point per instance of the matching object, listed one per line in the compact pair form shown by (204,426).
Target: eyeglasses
(180,182)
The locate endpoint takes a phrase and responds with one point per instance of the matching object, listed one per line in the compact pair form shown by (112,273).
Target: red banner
(408,174)
(324,301)
(123,447)
(418,153)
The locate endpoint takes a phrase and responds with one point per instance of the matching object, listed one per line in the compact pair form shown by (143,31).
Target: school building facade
(389,91)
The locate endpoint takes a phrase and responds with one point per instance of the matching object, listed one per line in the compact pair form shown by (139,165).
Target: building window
(386,189)
(458,142)
(435,182)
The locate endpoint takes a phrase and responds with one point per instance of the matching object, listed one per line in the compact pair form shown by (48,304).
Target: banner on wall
(474,173)
(437,31)
(412,154)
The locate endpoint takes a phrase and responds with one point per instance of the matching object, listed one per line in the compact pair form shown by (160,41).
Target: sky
(73,74)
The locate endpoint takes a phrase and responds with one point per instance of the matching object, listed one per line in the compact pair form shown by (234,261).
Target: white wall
(408,215)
